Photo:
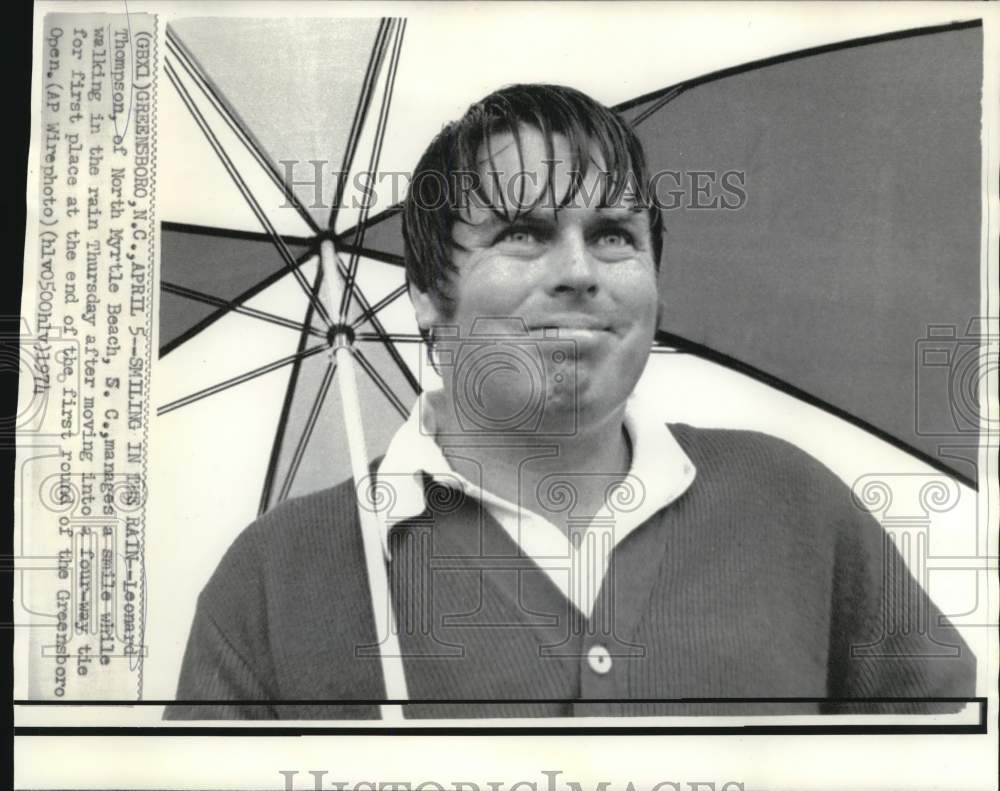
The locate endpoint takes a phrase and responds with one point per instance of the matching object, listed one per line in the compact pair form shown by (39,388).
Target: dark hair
(435,196)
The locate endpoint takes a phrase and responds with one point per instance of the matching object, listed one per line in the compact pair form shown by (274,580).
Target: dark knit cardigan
(764,580)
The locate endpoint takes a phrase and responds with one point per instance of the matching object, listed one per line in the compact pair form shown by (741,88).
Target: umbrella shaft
(385,622)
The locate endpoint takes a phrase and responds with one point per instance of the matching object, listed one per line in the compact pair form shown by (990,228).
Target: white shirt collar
(660,467)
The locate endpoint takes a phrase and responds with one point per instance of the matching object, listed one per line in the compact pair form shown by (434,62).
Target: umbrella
(843,270)
(337,308)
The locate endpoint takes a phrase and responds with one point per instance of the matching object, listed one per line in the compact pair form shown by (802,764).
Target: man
(555,548)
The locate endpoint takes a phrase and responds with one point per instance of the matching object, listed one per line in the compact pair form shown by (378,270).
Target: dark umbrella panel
(859,234)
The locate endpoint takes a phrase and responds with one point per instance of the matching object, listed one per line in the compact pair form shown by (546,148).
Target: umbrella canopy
(846,229)
(861,227)
(209,273)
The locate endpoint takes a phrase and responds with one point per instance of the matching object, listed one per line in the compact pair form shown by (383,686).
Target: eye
(616,238)
(518,236)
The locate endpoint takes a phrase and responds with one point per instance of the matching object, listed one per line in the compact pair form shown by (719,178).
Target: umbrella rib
(383,216)
(190,65)
(387,300)
(394,353)
(238,380)
(375,60)
(216,232)
(376,324)
(385,338)
(286,409)
(380,383)
(398,337)
(668,97)
(307,430)
(235,307)
(380,130)
(241,298)
(286,254)
(377,255)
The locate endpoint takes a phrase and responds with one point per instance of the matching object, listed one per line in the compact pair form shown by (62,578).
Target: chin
(589,403)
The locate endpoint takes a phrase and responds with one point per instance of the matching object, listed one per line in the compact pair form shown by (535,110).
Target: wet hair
(447,178)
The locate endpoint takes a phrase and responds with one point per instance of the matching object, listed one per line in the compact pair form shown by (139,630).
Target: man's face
(583,274)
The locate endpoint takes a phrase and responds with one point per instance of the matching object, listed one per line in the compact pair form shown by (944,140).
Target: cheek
(498,287)
(635,290)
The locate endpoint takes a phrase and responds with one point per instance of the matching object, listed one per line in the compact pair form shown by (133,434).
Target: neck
(513,465)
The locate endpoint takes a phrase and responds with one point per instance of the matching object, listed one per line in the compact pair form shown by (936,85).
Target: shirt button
(599,659)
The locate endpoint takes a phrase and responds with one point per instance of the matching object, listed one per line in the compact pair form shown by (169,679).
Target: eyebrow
(538,216)
(630,209)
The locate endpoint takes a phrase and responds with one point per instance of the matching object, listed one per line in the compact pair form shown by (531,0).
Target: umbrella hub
(340,335)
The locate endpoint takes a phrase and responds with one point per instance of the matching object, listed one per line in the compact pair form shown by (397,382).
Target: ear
(427,312)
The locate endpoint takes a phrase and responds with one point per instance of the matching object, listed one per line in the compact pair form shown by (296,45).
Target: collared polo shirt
(577,561)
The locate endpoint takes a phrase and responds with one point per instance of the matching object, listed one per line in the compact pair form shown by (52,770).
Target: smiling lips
(584,332)
(575,324)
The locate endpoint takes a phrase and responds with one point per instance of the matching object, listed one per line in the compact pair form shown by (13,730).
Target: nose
(573,270)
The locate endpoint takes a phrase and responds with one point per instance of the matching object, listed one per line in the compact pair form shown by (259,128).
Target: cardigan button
(599,659)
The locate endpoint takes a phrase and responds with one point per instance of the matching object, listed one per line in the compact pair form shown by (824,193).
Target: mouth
(571,325)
